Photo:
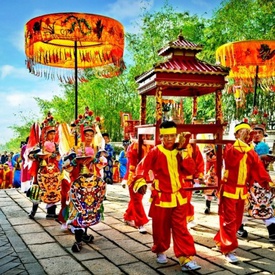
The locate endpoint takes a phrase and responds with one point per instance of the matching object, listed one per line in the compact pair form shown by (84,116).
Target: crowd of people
(72,165)
(10,170)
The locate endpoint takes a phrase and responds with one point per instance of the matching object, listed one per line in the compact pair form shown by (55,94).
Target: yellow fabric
(66,139)
(187,153)
(242,57)
(50,40)
(176,197)
(139,183)
(184,260)
(168,131)
(242,147)
(241,126)
(172,164)
(238,194)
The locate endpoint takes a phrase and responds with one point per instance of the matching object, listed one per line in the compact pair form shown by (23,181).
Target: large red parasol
(71,42)
(251,62)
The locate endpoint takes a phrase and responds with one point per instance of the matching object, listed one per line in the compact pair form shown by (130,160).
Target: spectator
(108,169)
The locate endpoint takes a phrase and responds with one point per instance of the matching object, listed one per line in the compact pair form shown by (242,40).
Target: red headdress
(86,122)
(47,126)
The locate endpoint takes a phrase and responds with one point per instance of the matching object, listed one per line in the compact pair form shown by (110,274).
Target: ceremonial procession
(154,153)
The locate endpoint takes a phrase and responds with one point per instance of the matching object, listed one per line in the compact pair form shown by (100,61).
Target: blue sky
(17,86)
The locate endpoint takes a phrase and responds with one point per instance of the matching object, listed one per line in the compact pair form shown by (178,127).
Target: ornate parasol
(250,62)
(72,42)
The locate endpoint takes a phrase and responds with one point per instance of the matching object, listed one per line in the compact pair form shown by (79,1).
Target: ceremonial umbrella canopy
(62,45)
(250,62)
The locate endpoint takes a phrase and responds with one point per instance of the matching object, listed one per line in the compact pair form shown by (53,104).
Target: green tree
(233,20)
(236,21)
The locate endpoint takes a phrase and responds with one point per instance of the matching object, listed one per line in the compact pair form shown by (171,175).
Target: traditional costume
(197,177)
(122,158)
(135,214)
(260,200)
(242,167)
(169,200)
(211,178)
(25,174)
(108,169)
(16,163)
(45,170)
(87,188)
(7,177)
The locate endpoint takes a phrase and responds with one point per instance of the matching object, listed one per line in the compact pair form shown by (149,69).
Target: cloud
(18,104)
(6,70)
(11,71)
(17,39)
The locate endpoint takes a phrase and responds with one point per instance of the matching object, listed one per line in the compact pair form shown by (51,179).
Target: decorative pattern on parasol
(250,61)
(70,41)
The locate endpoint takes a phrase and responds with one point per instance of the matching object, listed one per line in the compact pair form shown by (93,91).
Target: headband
(241,126)
(167,131)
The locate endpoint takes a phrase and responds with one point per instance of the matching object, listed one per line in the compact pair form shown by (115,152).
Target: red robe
(7,179)
(169,200)
(242,168)
(135,210)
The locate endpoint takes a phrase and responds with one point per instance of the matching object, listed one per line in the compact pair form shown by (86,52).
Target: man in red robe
(242,167)
(170,164)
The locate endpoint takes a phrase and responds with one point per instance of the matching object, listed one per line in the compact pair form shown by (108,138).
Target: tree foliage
(233,20)
(236,21)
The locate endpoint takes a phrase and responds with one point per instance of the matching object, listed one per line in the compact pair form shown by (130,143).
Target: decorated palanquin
(128,125)
(182,74)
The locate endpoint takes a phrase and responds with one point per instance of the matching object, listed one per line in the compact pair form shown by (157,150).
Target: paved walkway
(40,247)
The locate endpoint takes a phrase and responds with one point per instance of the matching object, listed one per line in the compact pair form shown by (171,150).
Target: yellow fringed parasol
(249,61)
(71,42)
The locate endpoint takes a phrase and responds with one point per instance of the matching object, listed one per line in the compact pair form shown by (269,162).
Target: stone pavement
(40,247)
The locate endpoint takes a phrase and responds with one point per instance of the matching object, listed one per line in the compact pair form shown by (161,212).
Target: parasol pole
(255,86)
(75,87)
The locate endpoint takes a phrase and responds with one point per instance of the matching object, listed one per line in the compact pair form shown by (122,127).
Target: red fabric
(132,157)
(254,166)
(65,188)
(168,192)
(197,155)
(157,162)
(199,172)
(7,179)
(171,220)
(115,173)
(135,210)
(190,207)
(231,205)
(25,174)
(231,216)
